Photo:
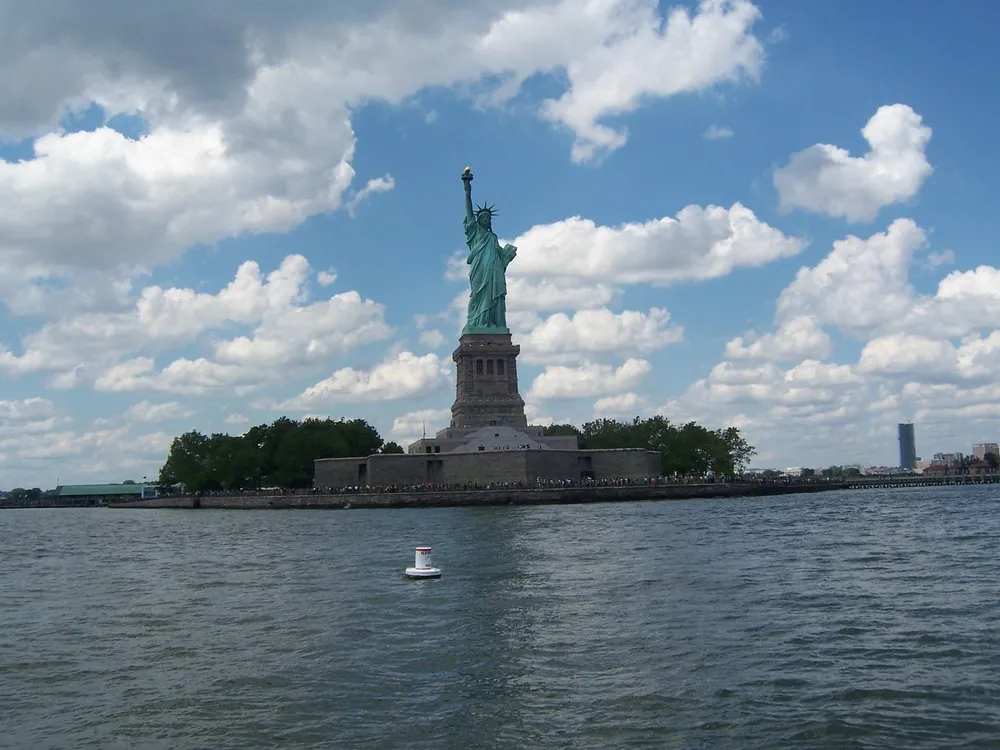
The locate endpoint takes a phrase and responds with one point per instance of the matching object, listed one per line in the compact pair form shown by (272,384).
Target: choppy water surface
(838,620)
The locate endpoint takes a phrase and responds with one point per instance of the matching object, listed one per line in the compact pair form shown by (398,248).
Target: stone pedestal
(486,389)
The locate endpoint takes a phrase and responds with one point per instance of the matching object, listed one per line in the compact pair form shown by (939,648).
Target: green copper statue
(488,261)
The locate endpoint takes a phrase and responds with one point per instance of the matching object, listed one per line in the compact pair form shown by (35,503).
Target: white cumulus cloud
(287,331)
(827,179)
(699,244)
(622,404)
(796,338)
(588,379)
(405,375)
(147,411)
(718,132)
(564,338)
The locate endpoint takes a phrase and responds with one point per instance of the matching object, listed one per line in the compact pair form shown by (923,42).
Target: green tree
(561,430)
(687,450)
(22,494)
(186,462)
(392,447)
(740,451)
(280,454)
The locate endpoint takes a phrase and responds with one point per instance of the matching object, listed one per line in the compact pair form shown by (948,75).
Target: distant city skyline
(981,450)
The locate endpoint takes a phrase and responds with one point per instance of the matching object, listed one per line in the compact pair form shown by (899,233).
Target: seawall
(473,498)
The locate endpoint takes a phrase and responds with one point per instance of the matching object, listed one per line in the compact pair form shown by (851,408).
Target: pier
(919,480)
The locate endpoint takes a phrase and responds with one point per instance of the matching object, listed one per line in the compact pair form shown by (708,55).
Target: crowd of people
(539,484)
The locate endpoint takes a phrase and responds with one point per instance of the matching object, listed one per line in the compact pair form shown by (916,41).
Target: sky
(775,215)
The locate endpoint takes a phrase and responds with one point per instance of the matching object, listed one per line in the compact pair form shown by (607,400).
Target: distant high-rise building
(907,447)
(979,450)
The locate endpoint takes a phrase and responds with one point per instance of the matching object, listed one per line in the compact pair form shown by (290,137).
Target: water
(865,619)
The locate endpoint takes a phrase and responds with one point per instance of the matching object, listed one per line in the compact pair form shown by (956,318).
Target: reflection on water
(836,620)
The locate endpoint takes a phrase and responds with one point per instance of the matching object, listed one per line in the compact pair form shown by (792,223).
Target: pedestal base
(486,391)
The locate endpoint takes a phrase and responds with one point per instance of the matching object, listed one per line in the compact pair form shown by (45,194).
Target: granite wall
(402,469)
(633,464)
(340,472)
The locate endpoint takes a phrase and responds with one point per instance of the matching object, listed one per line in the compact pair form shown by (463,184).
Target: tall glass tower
(907,447)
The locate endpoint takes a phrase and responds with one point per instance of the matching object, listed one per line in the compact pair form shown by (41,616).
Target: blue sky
(216,234)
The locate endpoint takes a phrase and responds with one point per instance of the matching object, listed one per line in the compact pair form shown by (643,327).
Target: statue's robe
(487,280)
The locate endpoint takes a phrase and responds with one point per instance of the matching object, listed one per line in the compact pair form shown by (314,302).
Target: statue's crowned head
(484,216)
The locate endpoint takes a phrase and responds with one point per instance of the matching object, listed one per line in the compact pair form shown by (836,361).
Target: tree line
(281,454)
(685,450)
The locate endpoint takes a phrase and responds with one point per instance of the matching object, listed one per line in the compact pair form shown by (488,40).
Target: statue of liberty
(488,261)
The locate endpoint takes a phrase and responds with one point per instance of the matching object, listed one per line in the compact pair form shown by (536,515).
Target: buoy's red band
(423,549)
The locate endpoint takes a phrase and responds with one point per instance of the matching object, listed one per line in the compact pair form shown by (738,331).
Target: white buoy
(422,567)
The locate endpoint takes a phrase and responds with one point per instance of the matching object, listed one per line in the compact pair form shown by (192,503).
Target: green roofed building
(101,494)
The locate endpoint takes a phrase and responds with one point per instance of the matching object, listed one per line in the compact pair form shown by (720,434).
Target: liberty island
(489,439)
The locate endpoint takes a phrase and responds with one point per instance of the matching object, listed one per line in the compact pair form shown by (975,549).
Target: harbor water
(843,619)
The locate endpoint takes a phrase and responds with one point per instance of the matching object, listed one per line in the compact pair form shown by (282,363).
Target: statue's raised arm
(467,181)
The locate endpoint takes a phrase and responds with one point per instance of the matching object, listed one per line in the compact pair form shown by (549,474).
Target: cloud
(25,409)
(622,404)
(861,284)
(237,419)
(567,339)
(929,357)
(576,264)
(146,411)
(182,377)
(432,339)
(373,187)
(718,132)
(796,338)
(764,399)
(288,332)
(405,375)
(531,295)
(863,288)
(627,55)
(126,202)
(699,244)
(249,130)
(326,278)
(37,449)
(944,258)
(409,427)
(827,179)
(821,413)
(536,415)
(588,379)
(778,35)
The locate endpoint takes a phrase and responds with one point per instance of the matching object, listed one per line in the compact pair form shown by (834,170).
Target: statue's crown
(491,211)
